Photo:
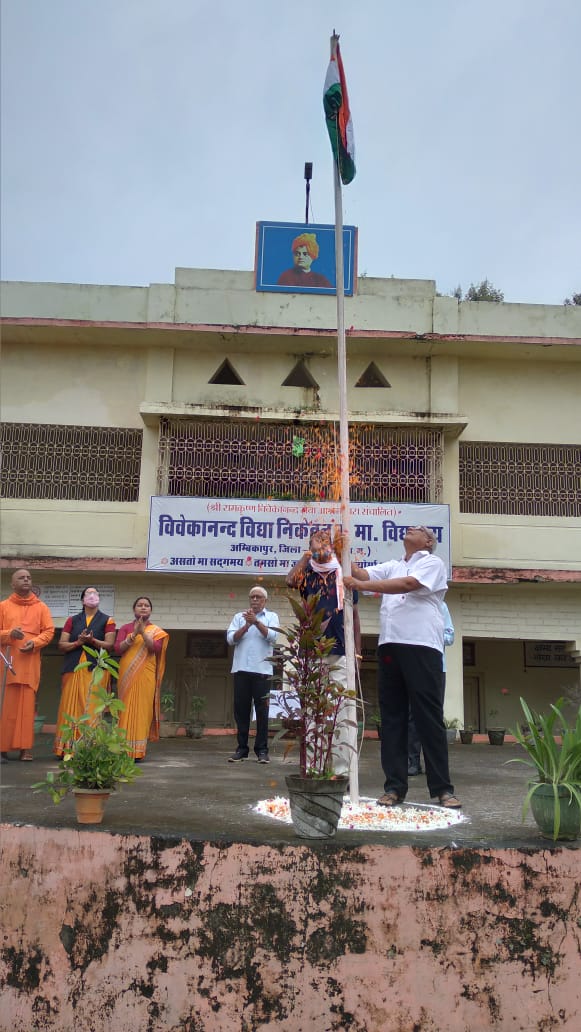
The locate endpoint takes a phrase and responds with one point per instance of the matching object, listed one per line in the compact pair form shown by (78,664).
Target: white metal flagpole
(344,463)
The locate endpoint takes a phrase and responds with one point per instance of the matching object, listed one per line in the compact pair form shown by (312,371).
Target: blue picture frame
(281,269)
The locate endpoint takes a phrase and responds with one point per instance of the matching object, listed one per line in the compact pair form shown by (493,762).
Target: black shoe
(238,756)
(263,757)
(414,771)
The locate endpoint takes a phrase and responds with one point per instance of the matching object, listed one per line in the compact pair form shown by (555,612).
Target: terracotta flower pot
(90,804)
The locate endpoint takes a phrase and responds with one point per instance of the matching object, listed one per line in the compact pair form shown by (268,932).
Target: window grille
(520,479)
(70,463)
(260,459)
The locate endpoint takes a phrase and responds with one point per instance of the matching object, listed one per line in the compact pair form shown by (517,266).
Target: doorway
(472,702)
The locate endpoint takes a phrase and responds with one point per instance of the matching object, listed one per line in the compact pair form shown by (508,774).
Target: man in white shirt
(414,744)
(253,634)
(411,645)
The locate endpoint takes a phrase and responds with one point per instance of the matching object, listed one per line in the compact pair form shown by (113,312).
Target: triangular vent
(372,377)
(300,377)
(227,374)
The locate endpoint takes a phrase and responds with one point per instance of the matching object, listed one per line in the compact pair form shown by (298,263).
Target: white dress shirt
(414,618)
(252,651)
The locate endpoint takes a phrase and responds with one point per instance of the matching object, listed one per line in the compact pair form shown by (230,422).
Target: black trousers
(414,744)
(249,688)
(411,676)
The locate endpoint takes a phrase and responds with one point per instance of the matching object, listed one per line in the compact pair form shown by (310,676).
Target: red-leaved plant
(308,695)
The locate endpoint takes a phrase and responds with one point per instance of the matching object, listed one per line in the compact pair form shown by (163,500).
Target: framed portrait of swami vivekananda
(299,258)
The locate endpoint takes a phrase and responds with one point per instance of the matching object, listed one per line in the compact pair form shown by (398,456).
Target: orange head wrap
(309,241)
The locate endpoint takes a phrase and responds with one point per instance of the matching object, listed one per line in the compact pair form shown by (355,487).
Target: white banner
(233,535)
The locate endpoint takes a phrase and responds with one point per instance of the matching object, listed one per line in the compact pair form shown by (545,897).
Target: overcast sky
(141,135)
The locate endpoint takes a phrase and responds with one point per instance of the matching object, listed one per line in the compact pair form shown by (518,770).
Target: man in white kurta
(410,650)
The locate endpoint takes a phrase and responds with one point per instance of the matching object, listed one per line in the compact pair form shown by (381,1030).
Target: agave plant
(557,763)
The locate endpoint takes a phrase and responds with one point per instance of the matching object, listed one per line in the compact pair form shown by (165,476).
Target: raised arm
(359,572)
(393,586)
(296,575)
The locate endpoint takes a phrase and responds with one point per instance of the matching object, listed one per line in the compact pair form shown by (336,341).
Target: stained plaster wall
(130,932)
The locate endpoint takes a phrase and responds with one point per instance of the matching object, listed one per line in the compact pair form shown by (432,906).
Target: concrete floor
(189,790)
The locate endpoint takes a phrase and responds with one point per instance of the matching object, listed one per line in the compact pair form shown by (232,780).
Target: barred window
(520,479)
(70,463)
(260,459)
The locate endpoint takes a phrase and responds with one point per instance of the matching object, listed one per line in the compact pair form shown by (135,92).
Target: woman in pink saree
(141,645)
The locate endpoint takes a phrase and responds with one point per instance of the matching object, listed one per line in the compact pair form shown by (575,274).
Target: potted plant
(169,727)
(194,679)
(466,735)
(495,734)
(311,701)
(96,757)
(553,748)
(375,719)
(39,722)
(451,725)
(196,723)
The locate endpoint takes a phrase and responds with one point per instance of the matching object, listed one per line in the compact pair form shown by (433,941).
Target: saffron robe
(17,718)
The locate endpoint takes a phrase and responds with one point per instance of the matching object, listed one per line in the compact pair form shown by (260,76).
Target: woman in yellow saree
(89,627)
(141,645)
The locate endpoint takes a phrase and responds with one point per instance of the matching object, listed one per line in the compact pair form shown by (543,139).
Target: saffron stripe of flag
(338,117)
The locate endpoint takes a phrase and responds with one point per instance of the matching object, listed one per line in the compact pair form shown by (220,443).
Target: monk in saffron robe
(305,251)
(26,626)
(141,645)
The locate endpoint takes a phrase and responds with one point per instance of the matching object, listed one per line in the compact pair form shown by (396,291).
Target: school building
(208,391)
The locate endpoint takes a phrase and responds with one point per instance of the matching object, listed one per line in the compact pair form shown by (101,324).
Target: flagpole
(344,466)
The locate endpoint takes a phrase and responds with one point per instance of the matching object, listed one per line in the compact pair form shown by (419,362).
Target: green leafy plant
(167,703)
(451,722)
(197,708)
(492,713)
(310,698)
(557,763)
(195,723)
(96,752)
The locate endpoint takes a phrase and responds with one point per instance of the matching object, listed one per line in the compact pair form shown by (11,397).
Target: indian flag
(338,116)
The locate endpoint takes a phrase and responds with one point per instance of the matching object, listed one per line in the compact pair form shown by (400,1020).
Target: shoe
(26,755)
(238,756)
(414,771)
(263,757)
(391,798)
(449,801)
